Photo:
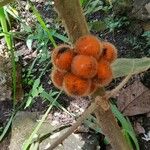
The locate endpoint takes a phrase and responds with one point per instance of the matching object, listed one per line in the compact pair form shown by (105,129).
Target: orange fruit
(57,78)
(62,57)
(104,73)
(89,45)
(109,52)
(75,86)
(84,66)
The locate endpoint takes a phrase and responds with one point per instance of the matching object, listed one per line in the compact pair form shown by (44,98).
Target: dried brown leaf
(147,6)
(138,128)
(134,100)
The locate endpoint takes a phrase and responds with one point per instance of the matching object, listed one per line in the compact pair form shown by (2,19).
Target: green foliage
(91,6)
(41,40)
(146,34)
(126,127)
(113,23)
(35,91)
(29,140)
(98,25)
(124,66)
(49,97)
(42,23)
(3,23)
(7,127)
(109,21)
(9,41)
(37,88)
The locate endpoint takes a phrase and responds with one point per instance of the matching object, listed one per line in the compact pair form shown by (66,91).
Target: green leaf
(29,140)
(98,25)
(3,23)
(29,43)
(127,136)
(124,66)
(81,2)
(12,11)
(126,125)
(60,36)
(7,127)
(42,23)
(34,93)
(35,146)
(26,27)
(29,101)
(36,83)
(94,6)
(40,89)
(48,96)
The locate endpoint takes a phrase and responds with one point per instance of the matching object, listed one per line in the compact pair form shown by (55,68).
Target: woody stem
(75,24)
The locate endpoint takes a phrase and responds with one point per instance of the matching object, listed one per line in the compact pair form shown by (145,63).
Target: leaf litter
(134,99)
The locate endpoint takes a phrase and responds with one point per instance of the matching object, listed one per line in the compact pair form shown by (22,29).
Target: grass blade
(42,23)
(47,96)
(29,140)
(4,28)
(6,127)
(126,125)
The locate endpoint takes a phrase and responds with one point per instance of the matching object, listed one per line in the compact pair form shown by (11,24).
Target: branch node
(102,102)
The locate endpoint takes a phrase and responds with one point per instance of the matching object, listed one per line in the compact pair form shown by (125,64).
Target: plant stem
(71,14)
(79,121)
(109,126)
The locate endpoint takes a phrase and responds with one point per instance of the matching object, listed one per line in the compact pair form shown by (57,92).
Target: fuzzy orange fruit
(57,78)
(84,66)
(89,45)
(75,86)
(62,57)
(104,73)
(109,52)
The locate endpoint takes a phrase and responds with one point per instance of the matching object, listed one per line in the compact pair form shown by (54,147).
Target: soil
(125,49)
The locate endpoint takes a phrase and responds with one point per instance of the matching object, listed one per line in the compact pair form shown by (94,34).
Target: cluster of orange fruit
(79,71)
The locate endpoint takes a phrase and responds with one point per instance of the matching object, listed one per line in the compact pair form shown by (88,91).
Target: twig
(79,121)
(119,87)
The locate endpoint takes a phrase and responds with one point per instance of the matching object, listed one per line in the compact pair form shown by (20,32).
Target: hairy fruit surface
(57,78)
(84,66)
(89,45)
(75,86)
(62,57)
(109,52)
(104,74)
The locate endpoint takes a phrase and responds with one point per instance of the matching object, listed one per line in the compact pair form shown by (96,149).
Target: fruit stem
(71,13)
(72,17)
(79,121)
